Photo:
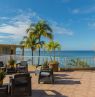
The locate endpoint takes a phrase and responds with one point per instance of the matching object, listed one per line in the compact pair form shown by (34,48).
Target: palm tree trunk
(32,55)
(54,54)
(39,53)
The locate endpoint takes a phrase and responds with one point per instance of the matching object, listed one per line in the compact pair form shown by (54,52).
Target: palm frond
(22,42)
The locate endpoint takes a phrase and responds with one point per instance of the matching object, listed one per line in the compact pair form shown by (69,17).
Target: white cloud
(16,26)
(87,10)
(75,11)
(4,37)
(4,18)
(66,1)
(60,29)
(91,25)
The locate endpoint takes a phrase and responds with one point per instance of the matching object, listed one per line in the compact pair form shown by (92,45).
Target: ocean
(61,53)
(64,57)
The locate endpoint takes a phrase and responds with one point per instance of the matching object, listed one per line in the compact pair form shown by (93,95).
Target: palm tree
(30,41)
(53,46)
(40,29)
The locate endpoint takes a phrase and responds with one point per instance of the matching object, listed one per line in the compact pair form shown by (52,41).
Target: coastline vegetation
(77,63)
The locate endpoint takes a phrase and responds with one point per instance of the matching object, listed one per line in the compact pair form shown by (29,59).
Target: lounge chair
(20,82)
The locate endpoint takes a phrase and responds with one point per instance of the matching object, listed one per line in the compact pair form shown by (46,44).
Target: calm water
(88,56)
(61,53)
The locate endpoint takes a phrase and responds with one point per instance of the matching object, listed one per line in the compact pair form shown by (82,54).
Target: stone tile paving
(67,84)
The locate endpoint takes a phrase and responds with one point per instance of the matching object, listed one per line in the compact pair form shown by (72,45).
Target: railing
(64,62)
(77,62)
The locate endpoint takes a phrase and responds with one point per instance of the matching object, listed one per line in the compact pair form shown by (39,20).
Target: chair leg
(52,79)
(38,81)
(30,93)
(12,91)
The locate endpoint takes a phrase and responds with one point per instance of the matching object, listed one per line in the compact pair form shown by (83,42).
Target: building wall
(6,50)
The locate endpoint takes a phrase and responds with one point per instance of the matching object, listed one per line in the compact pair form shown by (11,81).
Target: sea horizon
(62,53)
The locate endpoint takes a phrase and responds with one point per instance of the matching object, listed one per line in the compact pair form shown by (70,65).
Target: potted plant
(54,64)
(2,76)
(45,65)
(11,62)
(53,46)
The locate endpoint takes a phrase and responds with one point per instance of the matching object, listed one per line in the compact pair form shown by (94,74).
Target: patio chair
(20,82)
(46,75)
(10,70)
(4,90)
(22,67)
(2,67)
(38,68)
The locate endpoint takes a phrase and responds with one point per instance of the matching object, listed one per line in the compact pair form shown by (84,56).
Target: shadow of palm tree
(62,75)
(46,93)
(65,79)
(67,82)
(42,93)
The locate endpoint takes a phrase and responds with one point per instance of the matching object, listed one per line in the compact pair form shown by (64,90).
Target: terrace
(67,84)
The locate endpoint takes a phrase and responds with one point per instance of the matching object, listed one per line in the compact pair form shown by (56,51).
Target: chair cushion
(1,64)
(45,73)
(21,78)
(3,88)
(21,67)
(24,63)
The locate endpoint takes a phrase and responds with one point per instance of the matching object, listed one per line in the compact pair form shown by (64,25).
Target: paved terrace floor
(67,84)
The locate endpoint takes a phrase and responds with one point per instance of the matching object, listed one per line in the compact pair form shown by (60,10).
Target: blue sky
(72,21)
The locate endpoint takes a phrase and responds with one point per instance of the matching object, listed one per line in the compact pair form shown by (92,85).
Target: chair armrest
(38,66)
(11,78)
(17,64)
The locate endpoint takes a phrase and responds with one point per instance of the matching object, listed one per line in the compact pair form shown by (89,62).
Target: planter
(2,76)
(54,66)
(1,82)
(44,67)
(12,65)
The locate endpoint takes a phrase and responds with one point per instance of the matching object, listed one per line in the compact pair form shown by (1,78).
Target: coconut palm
(53,46)
(31,41)
(40,29)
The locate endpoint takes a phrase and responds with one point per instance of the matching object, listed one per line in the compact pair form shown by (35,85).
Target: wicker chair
(3,90)
(22,67)
(46,75)
(10,70)
(2,67)
(20,81)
